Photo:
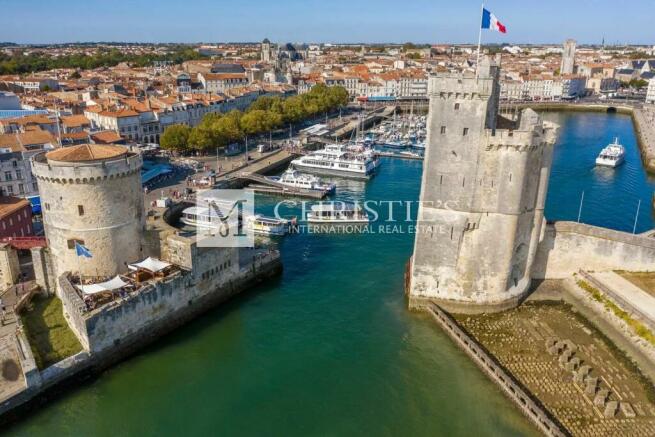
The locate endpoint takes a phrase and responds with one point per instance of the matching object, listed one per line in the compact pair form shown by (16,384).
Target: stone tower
(482,196)
(568,57)
(266,50)
(91,194)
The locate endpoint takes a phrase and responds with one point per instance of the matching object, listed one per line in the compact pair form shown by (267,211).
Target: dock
(400,156)
(263,185)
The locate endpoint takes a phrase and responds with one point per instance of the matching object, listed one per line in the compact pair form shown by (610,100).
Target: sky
(337,21)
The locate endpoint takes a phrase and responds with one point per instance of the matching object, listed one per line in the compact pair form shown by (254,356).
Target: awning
(153,265)
(112,284)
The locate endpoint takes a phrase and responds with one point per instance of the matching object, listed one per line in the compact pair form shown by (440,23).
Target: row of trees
(264,115)
(40,61)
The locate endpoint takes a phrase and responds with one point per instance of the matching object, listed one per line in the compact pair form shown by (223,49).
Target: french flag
(489,21)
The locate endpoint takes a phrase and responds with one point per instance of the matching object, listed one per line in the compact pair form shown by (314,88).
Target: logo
(223,218)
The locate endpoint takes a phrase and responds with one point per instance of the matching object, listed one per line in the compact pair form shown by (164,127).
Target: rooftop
(9,204)
(86,152)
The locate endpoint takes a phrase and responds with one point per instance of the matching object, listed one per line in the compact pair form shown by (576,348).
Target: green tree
(294,109)
(176,138)
(228,127)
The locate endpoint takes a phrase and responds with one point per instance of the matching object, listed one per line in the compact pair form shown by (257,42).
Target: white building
(221,82)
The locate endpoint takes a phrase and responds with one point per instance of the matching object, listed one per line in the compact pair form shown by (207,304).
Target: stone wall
(530,407)
(568,247)
(215,277)
(9,268)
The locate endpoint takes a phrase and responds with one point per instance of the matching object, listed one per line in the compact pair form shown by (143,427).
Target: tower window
(443,129)
(465,132)
(80,209)
(456,106)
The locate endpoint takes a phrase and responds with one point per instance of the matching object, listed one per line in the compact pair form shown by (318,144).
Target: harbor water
(330,348)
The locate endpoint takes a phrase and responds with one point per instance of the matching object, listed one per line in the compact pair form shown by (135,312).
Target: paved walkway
(634,297)
(11,374)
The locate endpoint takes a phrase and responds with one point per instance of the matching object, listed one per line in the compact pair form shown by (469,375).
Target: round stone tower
(91,194)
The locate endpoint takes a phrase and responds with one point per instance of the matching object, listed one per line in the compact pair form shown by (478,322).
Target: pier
(400,156)
(262,184)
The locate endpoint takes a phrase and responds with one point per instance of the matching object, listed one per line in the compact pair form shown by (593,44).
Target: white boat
(612,155)
(293,178)
(337,213)
(338,160)
(261,225)
(207,218)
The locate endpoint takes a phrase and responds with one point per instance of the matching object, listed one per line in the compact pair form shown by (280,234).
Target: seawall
(513,389)
(567,247)
(73,370)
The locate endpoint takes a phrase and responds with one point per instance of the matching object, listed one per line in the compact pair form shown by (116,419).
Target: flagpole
(477,64)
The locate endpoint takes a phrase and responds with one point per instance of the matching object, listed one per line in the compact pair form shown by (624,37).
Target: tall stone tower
(266,50)
(91,194)
(482,196)
(568,57)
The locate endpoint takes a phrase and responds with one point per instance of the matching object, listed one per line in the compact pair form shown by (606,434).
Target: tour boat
(293,178)
(338,160)
(207,218)
(337,213)
(612,155)
(261,225)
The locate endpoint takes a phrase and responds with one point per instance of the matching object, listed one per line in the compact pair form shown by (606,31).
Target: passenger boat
(337,213)
(612,155)
(261,225)
(293,178)
(207,218)
(338,160)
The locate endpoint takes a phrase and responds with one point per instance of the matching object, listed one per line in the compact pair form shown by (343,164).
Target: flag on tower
(82,250)
(489,21)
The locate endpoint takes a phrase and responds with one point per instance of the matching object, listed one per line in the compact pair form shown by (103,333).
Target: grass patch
(639,328)
(643,280)
(46,328)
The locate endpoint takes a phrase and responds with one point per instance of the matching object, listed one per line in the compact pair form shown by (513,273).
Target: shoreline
(74,371)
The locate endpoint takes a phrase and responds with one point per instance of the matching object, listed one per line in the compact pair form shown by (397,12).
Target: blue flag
(81,250)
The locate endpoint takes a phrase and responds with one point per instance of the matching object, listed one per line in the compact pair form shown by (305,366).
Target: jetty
(264,185)
(400,156)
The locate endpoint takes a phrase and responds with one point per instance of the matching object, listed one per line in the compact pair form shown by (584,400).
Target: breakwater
(514,390)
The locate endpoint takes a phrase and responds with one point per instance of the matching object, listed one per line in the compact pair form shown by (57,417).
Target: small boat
(206,218)
(337,213)
(261,225)
(293,178)
(612,155)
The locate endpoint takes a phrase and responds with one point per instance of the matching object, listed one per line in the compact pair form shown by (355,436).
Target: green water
(327,349)
(330,348)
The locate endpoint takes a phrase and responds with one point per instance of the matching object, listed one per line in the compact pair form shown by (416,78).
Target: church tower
(266,50)
(483,192)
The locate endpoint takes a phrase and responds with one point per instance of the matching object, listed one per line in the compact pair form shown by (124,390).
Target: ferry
(209,219)
(612,155)
(337,213)
(293,178)
(261,225)
(339,160)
